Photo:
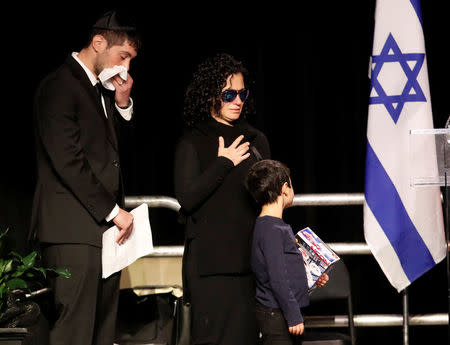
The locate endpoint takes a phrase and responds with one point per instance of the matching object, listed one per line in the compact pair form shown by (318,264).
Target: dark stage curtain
(309,70)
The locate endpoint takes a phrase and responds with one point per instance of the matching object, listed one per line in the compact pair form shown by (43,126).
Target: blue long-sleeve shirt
(279,269)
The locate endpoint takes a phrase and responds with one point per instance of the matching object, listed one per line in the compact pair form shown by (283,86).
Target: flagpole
(447,239)
(405,316)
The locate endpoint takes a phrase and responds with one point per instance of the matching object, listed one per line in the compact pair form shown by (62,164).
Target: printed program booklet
(317,255)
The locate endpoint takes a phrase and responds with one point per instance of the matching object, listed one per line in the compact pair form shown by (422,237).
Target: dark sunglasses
(229,95)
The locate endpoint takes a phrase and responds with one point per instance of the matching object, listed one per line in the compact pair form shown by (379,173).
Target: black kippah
(113,20)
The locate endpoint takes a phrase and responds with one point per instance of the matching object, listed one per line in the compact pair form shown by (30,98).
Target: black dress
(220,216)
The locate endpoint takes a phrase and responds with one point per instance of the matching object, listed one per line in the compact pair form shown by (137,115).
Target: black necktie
(97,87)
(101,91)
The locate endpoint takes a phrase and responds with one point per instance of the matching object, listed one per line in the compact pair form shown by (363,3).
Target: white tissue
(107,73)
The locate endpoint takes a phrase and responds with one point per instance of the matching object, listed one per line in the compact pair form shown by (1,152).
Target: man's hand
(235,152)
(123,90)
(297,329)
(124,222)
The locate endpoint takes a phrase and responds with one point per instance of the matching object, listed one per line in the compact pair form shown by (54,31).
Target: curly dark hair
(203,93)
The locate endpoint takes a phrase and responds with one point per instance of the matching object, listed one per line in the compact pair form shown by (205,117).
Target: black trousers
(222,305)
(273,328)
(85,305)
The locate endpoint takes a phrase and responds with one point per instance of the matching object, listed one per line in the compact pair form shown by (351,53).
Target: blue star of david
(412,92)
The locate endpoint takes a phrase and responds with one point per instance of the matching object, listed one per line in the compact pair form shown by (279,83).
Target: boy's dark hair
(265,180)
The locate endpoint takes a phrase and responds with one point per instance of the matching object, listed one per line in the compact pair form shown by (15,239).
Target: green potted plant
(21,278)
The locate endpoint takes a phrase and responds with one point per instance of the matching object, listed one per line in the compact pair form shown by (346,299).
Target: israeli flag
(403,224)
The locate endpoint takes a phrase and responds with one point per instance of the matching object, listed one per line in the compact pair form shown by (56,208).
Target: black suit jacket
(78,167)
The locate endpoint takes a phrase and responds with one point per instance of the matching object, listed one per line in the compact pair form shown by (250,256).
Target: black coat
(78,170)
(220,213)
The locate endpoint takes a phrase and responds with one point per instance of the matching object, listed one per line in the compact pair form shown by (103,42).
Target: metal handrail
(299,200)
(327,199)
(152,201)
(377,320)
(338,247)
(342,199)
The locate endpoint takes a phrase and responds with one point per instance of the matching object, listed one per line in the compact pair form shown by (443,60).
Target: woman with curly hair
(211,161)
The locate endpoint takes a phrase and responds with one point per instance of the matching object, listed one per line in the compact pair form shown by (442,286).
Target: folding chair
(337,291)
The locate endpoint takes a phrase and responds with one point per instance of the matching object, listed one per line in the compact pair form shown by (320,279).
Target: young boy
(281,283)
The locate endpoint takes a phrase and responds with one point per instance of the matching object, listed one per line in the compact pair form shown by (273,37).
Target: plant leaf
(2,266)
(16,283)
(42,270)
(3,233)
(16,255)
(30,259)
(62,272)
(6,266)
(19,271)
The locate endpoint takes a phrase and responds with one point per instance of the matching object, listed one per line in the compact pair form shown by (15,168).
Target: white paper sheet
(115,257)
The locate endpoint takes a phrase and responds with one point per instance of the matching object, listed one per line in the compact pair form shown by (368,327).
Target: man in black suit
(79,192)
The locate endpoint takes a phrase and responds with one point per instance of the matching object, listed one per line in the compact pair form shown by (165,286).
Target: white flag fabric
(403,224)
